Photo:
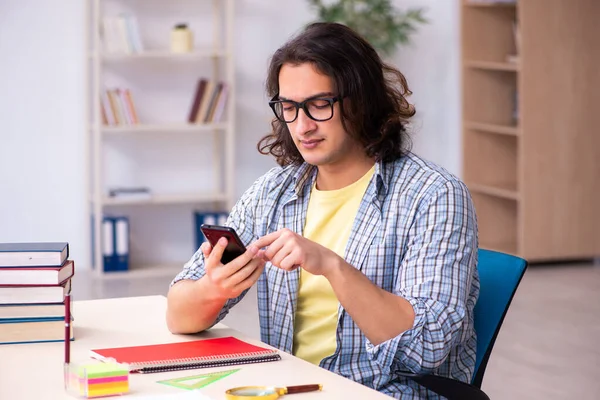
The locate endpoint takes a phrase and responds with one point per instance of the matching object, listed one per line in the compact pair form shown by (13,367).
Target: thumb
(206,249)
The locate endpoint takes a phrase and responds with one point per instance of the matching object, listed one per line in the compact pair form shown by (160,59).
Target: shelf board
(492,65)
(161,55)
(490,4)
(191,198)
(493,128)
(167,271)
(496,191)
(162,128)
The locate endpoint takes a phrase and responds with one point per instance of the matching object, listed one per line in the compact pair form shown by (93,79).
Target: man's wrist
(335,268)
(209,291)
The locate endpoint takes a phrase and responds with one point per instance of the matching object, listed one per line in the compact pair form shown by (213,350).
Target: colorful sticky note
(97,379)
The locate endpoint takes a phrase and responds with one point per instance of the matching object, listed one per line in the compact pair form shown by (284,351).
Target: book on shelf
(130,193)
(120,34)
(220,106)
(38,254)
(186,355)
(36,276)
(514,58)
(208,102)
(200,88)
(118,107)
(35,294)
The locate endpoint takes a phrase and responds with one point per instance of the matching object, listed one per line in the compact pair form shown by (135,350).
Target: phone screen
(235,247)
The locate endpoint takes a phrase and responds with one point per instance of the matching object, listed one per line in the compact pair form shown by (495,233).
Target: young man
(364,254)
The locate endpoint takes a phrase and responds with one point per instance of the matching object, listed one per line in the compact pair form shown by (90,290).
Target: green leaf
(376,20)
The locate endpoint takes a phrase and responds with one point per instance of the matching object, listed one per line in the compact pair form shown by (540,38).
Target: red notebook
(186,355)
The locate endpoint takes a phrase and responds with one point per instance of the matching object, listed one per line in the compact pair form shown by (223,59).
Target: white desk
(35,371)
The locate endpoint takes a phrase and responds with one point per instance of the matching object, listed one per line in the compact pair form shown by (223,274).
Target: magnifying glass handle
(303,388)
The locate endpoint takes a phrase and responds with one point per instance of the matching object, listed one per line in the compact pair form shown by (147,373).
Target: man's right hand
(231,279)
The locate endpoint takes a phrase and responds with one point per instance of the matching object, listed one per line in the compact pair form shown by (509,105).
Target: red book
(186,355)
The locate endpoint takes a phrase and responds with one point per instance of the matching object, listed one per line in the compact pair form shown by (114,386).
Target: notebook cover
(187,354)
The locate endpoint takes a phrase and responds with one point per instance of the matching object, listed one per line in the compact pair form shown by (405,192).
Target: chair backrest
(499,276)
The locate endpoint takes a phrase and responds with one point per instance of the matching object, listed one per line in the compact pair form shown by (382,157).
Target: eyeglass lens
(317,109)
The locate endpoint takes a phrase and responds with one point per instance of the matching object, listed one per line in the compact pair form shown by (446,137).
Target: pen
(67,328)
(67,339)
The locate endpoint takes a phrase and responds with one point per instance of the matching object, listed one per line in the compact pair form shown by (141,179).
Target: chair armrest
(446,387)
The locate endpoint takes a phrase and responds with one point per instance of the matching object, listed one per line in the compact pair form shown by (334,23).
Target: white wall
(42,163)
(431,64)
(42,75)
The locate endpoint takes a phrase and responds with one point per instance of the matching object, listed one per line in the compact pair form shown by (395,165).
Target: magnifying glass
(266,392)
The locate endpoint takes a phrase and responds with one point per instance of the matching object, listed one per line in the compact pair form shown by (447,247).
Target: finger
(267,239)
(246,283)
(243,273)
(206,249)
(278,246)
(261,255)
(290,262)
(217,252)
(240,261)
(279,256)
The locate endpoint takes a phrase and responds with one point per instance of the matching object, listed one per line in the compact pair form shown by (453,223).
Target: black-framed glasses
(318,109)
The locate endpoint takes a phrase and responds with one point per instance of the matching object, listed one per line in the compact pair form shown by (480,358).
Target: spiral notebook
(187,355)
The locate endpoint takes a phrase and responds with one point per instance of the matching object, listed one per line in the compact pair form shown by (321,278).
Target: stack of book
(34,280)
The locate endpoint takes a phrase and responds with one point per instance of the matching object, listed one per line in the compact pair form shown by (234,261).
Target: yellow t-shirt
(329,219)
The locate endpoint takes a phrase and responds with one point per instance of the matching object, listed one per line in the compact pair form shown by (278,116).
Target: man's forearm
(380,315)
(190,306)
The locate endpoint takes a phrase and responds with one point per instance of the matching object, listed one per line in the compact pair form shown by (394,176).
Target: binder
(208,218)
(222,219)
(115,243)
(108,244)
(121,229)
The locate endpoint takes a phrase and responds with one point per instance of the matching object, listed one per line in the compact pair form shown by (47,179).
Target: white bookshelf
(141,272)
(182,198)
(160,55)
(164,128)
(212,57)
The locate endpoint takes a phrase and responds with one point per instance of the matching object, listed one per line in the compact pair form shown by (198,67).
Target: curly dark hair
(374,109)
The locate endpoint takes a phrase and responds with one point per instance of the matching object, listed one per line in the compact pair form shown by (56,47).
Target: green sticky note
(101,370)
(197,381)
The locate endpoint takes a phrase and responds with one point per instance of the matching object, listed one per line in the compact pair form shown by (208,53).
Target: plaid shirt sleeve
(436,278)
(242,220)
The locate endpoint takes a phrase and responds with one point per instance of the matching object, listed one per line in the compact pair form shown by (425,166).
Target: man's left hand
(288,250)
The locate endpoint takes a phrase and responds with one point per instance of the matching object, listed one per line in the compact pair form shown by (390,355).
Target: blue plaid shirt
(415,235)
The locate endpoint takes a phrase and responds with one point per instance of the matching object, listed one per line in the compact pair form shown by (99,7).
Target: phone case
(235,247)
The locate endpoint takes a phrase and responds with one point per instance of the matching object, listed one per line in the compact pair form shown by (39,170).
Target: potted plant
(376,20)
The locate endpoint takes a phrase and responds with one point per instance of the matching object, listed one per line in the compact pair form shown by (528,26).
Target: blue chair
(499,276)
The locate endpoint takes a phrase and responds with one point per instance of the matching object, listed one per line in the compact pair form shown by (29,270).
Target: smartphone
(235,247)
